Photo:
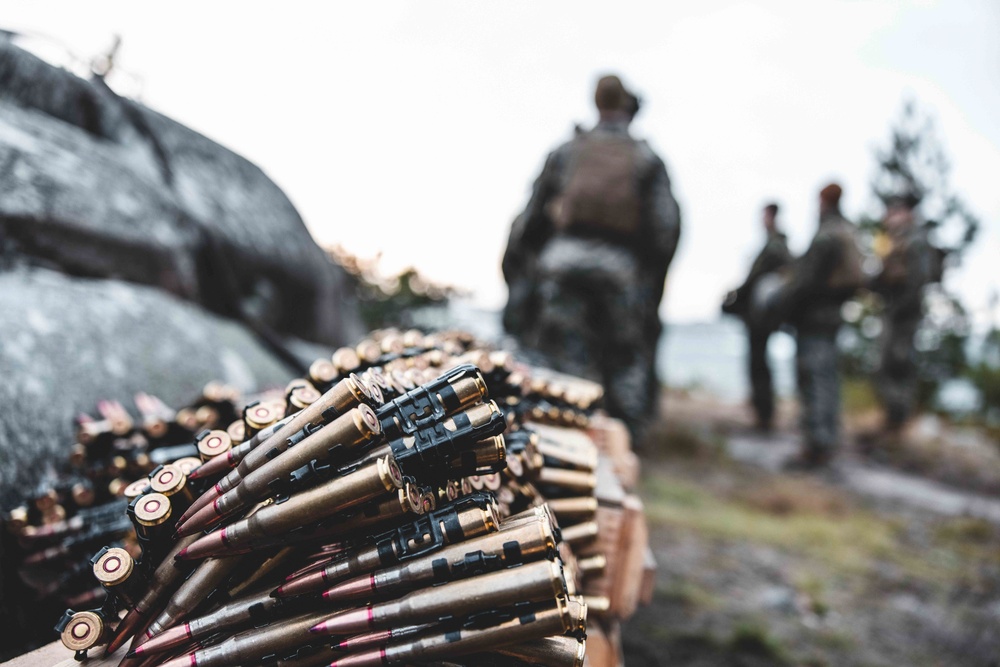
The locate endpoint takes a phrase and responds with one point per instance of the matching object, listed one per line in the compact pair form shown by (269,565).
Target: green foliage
(985,375)
(859,337)
(941,343)
(390,300)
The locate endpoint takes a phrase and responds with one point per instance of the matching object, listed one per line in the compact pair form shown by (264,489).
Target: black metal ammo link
(427,453)
(430,532)
(425,404)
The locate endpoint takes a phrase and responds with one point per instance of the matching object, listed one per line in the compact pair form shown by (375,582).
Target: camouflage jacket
(652,247)
(906,270)
(817,287)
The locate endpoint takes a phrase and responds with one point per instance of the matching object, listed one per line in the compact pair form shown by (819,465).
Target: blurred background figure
(586,260)
(910,264)
(773,257)
(824,278)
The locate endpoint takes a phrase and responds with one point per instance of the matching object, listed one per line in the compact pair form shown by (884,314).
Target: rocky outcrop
(136,254)
(69,342)
(97,185)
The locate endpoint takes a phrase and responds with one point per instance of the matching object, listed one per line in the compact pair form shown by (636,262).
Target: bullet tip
(203,518)
(115,643)
(125,629)
(202,500)
(301,585)
(345,623)
(183,518)
(167,639)
(352,589)
(205,546)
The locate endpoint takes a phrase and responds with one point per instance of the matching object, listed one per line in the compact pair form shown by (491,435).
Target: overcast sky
(415,129)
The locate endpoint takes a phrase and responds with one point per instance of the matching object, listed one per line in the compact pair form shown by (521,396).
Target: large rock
(97,185)
(67,342)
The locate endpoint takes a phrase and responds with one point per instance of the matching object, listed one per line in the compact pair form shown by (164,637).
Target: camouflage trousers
(819,392)
(897,373)
(761,385)
(592,321)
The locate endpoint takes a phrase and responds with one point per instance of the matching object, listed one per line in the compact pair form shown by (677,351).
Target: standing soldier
(910,264)
(586,260)
(821,281)
(772,258)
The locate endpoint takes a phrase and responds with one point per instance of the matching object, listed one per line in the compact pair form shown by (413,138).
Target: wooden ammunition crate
(604,644)
(623,539)
(613,441)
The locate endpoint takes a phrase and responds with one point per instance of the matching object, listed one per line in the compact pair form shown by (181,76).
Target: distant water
(712,356)
(707,355)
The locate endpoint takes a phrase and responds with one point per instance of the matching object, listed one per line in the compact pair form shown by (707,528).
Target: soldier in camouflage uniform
(773,257)
(906,269)
(820,282)
(586,260)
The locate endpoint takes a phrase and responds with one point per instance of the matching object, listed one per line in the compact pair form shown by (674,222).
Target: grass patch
(786,496)
(751,638)
(857,396)
(965,530)
(845,539)
(968,540)
(686,594)
(814,588)
(749,644)
(847,542)
(681,495)
(838,641)
(684,441)
(658,632)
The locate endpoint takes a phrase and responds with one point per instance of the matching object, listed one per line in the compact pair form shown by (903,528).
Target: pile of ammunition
(54,533)
(414,500)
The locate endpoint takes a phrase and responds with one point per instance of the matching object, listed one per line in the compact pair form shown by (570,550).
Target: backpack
(849,274)
(602,187)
